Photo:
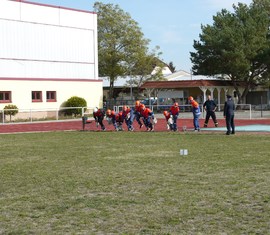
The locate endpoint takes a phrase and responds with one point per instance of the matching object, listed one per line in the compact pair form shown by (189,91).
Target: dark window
(51,96)
(5,96)
(36,96)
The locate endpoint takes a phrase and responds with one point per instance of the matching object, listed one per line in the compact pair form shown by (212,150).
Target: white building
(47,54)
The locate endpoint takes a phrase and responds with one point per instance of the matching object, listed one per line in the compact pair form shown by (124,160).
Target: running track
(76,125)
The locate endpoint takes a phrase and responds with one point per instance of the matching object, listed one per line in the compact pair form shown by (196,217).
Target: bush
(75,101)
(11,110)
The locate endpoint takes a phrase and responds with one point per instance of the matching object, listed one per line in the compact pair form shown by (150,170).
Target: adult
(229,108)
(210,108)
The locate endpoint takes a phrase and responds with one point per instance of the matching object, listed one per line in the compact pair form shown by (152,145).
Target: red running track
(77,125)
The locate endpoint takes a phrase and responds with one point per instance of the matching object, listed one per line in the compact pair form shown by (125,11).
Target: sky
(173,25)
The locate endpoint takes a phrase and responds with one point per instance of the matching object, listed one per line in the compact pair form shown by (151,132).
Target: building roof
(165,71)
(177,75)
(183,75)
(185,84)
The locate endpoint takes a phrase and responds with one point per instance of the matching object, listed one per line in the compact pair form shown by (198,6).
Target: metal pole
(3,116)
(261,107)
(131,93)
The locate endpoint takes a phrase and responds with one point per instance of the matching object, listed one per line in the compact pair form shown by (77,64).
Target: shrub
(11,110)
(75,101)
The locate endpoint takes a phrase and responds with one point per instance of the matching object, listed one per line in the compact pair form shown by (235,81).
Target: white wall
(47,38)
(40,45)
(22,90)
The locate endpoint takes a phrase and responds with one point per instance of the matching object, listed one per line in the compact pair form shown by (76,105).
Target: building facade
(47,55)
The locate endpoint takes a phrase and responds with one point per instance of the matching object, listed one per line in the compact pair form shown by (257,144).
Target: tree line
(235,47)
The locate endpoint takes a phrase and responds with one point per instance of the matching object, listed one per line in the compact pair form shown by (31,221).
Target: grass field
(134,183)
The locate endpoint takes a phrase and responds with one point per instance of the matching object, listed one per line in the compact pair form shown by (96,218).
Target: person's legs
(100,121)
(228,125)
(213,116)
(175,122)
(232,125)
(206,119)
(197,122)
(138,119)
(148,124)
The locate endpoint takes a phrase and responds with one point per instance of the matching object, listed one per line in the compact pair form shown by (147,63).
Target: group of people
(172,115)
(228,113)
(145,116)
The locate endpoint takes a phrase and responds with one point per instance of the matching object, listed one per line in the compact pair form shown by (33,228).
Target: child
(174,112)
(99,115)
(169,120)
(196,113)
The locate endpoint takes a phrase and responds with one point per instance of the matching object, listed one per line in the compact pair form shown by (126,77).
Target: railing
(243,111)
(35,115)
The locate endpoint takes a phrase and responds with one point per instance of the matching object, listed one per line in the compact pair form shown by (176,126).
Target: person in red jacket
(169,120)
(128,115)
(119,121)
(137,113)
(148,118)
(110,116)
(174,112)
(99,115)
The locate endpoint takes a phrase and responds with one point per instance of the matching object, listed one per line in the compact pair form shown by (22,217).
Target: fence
(35,115)
(243,111)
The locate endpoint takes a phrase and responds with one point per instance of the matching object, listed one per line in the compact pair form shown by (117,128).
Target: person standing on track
(210,108)
(228,114)
(196,113)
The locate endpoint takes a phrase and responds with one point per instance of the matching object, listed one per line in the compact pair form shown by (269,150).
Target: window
(51,96)
(5,96)
(36,96)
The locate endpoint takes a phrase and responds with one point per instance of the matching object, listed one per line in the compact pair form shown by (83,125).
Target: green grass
(134,183)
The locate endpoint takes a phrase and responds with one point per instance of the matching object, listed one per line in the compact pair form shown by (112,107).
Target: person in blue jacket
(228,114)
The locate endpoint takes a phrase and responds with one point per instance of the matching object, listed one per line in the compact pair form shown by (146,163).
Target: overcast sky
(171,24)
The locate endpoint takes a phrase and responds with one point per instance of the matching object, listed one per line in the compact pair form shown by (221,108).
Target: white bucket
(183,152)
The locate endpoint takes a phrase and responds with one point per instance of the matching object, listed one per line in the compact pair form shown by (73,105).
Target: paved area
(246,128)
